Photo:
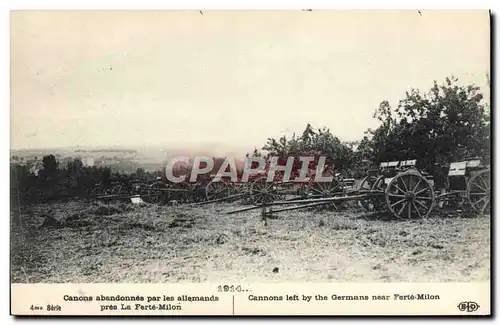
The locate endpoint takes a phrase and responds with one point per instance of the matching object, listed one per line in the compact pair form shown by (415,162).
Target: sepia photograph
(228,147)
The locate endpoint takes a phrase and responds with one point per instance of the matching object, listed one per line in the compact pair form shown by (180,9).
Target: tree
(50,166)
(448,123)
(313,143)
(140,173)
(74,167)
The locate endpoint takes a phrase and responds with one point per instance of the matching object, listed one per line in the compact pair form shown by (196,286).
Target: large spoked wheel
(379,187)
(125,190)
(479,192)
(409,196)
(328,189)
(216,190)
(154,193)
(263,192)
(199,190)
(237,190)
(374,203)
(98,191)
(245,191)
(180,192)
(451,202)
(139,188)
(116,189)
(365,186)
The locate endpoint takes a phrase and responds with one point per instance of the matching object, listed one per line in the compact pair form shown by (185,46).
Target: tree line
(448,122)
(74,179)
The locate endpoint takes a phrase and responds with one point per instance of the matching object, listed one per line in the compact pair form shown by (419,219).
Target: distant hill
(106,150)
(128,159)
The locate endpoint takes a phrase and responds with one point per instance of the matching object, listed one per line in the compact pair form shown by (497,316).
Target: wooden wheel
(216,190)
(180,192)
(263,192)
(378,200)
(98,191)
(409,195)
(450,202)
(375,202)
(328,189)
(138,188)
(125,190)
(199,191)
(479,192)
(244,189)
(236,189)
(154,193)
(366,185)
(116,190)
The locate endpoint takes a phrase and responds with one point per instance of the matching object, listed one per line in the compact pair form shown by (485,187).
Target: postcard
(286,162)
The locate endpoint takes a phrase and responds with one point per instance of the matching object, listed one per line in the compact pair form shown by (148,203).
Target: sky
(190,78)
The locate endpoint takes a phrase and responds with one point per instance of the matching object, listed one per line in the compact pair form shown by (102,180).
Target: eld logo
(468,306)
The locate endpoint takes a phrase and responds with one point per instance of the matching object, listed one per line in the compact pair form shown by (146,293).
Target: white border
(6,6)
(255,4)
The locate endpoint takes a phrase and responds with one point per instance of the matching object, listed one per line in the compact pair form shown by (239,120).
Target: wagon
(262,191)
(183,192)
(410,192)
(120,188)
(398,187)
(403,190)
(257,190)
(467,184)
(223,189)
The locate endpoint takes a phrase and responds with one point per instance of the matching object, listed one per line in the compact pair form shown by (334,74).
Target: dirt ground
(119,242)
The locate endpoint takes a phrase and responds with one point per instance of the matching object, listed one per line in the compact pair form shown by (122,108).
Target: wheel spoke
(364,185)
(485,205)
(404,184)
(421,191)
(331,190)
(410,182)
(481,199)
(416,209)
(394,204)
(409,211)
(402,208)
(395,195)
(316,190)
(423,205)
(424,198)
(399,188)
(416,186)
(479,186)
(479,193)
(260,191)
(486,185)
(378,183)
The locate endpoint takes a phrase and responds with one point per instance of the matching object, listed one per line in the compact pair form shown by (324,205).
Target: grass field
(119,242)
